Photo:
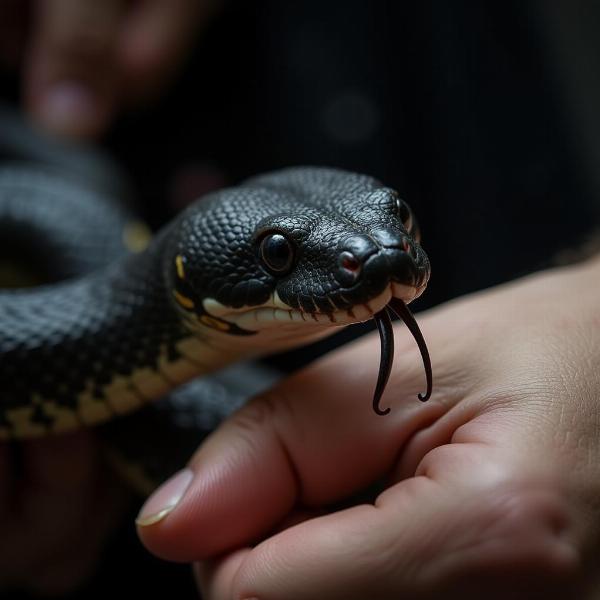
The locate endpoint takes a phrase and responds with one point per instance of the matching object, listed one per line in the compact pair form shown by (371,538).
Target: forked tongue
(386,335)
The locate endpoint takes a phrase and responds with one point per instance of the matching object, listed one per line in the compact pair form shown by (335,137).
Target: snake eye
(277,253)
(404,213)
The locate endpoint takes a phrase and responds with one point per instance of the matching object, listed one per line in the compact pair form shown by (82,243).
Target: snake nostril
(349,262)
(349,268)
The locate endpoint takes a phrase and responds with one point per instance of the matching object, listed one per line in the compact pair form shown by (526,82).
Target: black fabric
(453,104)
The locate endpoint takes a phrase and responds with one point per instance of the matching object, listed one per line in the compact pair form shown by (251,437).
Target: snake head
(355,242)
(281,259)
(298,249)
(349,268)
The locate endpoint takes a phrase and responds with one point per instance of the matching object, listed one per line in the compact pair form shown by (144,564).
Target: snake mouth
(279,316)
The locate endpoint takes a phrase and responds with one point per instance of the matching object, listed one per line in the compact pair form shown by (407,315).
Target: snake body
(278,261)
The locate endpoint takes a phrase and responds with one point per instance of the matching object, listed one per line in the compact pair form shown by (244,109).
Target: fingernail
(165,498)
(68,106)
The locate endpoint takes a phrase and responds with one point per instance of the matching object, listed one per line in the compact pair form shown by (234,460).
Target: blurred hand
(57,507)
(83,59)
(492,486)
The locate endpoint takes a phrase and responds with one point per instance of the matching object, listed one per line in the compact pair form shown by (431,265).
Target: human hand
(83,59)
(492,486)
(58,504)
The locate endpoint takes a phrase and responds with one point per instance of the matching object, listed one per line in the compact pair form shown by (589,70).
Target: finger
(423,538)
(70,80)
(311,441)
(155,37)
(216,578)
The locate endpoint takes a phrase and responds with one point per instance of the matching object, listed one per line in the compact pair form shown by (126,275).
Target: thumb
(311,441)
(70,74)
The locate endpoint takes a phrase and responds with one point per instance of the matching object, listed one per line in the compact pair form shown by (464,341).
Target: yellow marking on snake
(179,266)
(120,397)
(63,418)
(214,323)
(200,354)
(183,300)
(136,236)
(22,424)
(179,370)
(92,410)
(149,383)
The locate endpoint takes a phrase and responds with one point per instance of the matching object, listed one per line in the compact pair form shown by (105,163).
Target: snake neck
(82,351)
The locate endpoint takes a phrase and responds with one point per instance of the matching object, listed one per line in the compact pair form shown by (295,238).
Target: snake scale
(278,261)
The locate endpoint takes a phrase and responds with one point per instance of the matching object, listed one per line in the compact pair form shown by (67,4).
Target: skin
(489,489)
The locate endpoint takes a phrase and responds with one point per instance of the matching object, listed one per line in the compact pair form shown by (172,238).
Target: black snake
(278,261)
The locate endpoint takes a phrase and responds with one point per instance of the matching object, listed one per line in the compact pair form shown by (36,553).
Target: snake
(280,260)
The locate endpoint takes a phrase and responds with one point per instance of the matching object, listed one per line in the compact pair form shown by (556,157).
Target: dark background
(465,107)
(456,105)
